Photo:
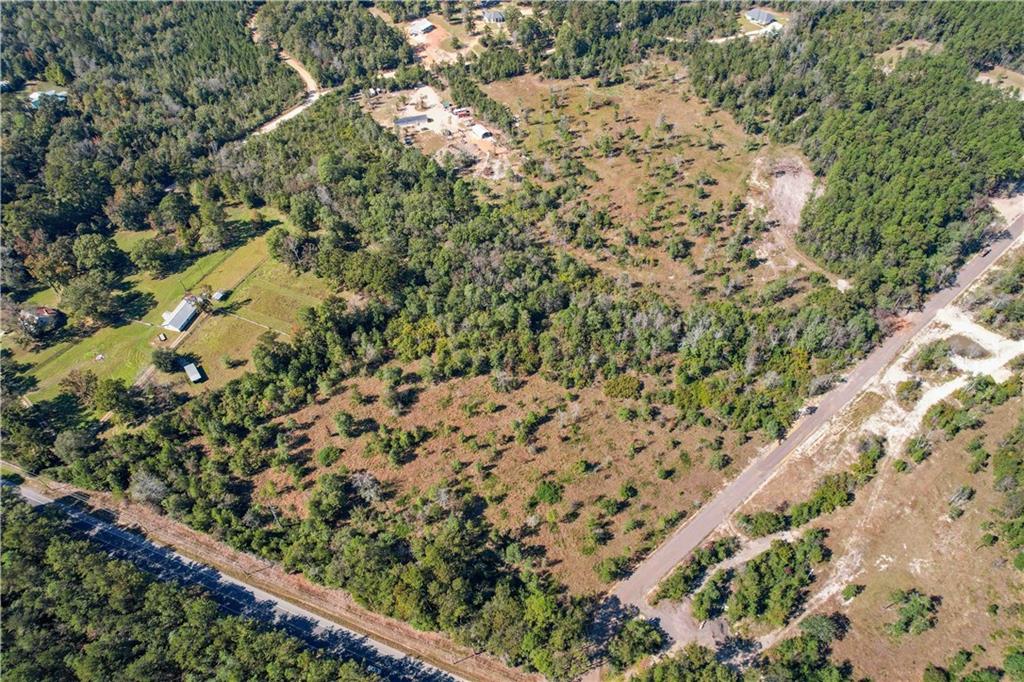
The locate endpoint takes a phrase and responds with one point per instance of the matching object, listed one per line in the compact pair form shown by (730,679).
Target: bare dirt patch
(444,135)
(889,58)
(1005,79)
(781,184)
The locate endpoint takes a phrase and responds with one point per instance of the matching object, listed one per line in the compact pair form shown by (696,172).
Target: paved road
(243,600)
(648,574)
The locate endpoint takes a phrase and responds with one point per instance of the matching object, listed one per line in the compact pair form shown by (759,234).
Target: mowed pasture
(267,297)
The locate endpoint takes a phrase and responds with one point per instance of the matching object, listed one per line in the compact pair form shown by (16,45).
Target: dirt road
(634,590)
(312,88)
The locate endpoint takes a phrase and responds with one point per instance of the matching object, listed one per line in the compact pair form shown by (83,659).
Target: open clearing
(1001,77)
(889,58)
(582,446)
(444,135)
(266,297)
(898,532)
(657,160)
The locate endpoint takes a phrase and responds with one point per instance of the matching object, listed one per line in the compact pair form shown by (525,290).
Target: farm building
(480,132)
(759,16)
(494,16)
(414,120)
(420,27)
(181,317)
(192,372)
(39,320)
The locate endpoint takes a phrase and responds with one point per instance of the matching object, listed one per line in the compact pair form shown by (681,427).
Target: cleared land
(899,532)
(669,172)
(265,296)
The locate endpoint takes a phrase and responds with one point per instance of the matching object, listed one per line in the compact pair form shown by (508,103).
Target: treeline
(70,612)
(904,156)
(338,42)
(151,90)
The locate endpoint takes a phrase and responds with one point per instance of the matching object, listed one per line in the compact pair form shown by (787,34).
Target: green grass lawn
(263,291)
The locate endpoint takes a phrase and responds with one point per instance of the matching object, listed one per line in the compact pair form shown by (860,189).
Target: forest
(140,117)
(459,282)
(71,612)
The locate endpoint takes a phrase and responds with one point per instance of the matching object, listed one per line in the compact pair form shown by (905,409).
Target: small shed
(193,373)
(414,120)
(181,317)
(220,295)
(494,16)
(480,132)
(420,27)
(759,16)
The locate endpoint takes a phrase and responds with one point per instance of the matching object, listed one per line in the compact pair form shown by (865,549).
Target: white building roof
(179,318)
(192,372)
(480,131)
(421,26)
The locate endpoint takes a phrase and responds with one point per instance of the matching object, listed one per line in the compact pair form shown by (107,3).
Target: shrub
(610,569)
(623,386)
(637,638)
(852,590)
(688,577)
(915,615)
(328,455)
(547,492)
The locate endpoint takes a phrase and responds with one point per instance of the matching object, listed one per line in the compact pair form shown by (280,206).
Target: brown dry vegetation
(476,446)
(906,540)
(657,159)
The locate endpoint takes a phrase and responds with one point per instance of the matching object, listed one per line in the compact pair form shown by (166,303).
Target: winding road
(241,599)
(633,590)
(312,88)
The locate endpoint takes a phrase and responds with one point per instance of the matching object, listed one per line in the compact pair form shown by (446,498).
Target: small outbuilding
(220,295)
(40,320)
(420,27)
(480,132)
(414,120)
(759,16)
(181,317)
(494,16)
(193,373)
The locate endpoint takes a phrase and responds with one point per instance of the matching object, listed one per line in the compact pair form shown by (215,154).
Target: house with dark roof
(759,16)
(414,120)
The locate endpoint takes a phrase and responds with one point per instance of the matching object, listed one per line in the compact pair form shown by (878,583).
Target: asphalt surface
(243,600)
(633,590)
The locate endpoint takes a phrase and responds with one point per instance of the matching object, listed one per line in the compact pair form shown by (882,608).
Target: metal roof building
(759,16)
(480,132)
(181,317)
(420,26)
(494,16)
(415,120)
(192,372)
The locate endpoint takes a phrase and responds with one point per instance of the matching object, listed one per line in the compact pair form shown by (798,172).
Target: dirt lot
(781,183)
(444,134)
(583,447)
(1001,77)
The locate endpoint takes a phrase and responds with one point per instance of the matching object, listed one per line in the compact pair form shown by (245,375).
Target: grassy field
(264,293)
